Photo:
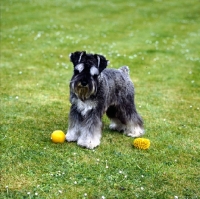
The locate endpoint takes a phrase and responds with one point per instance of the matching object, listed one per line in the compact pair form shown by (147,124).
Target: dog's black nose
(84,83)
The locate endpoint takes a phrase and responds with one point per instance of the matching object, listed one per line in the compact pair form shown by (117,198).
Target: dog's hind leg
(126,120)
(134,127)
(116,122)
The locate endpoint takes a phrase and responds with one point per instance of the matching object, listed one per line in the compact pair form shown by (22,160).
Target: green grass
(158,40)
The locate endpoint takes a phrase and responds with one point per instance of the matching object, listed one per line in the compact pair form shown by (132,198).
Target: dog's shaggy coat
(95,90)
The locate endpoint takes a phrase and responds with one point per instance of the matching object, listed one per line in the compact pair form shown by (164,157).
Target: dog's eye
(95,76)
(76,72)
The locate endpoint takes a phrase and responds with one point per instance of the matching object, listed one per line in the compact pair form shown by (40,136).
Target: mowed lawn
(159,41)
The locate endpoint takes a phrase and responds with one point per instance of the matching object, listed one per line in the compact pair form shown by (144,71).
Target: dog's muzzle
(83,89)
(82,92)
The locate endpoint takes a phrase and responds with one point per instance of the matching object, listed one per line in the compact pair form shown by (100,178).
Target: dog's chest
(85,107)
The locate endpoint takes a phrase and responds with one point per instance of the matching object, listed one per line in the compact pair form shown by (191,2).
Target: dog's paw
(113,126)
(117,127)
(71,136)
(89,142)
(88,145)
(134,132)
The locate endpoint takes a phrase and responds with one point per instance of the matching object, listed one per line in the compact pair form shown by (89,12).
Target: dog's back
(124,69)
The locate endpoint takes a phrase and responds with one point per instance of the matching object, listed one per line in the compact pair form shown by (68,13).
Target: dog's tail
(124,69)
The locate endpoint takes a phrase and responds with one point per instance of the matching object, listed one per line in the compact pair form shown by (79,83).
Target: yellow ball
(58,136)
(141,143)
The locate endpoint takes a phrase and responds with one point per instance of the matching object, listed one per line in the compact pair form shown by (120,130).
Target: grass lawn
(160,42)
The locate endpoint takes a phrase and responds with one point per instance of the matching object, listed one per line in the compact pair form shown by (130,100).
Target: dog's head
(87,68)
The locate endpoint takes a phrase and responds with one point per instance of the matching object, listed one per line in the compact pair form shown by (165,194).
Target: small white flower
(120,171)
(175,197)
(130,57)
(103,197)
(142,188)
(75,182)
(6,189)
(59,191)
(142,176)
(85,194)
(36,194)
(28,193)
(106,164)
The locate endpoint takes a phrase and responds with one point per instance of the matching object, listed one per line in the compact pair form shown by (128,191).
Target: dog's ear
(101,62)
(76,57)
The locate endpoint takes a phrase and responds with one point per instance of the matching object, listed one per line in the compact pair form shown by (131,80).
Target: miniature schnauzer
(94,91)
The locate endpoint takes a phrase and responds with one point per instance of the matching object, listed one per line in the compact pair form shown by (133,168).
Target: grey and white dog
(94,91)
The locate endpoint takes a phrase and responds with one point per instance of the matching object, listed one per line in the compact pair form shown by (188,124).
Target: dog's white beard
(84,92)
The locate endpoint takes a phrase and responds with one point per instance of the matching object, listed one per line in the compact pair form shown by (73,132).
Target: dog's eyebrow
(98,59)
(80,57)
(79,67)
(94,70)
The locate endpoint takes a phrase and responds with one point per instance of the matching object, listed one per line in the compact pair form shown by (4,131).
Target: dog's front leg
(74,126)
(90,132)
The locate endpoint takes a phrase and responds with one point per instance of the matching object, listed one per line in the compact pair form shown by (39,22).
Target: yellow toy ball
(58,136)
(141,143)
